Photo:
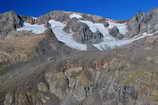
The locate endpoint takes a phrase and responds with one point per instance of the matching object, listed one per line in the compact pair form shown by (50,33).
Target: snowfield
(35,28)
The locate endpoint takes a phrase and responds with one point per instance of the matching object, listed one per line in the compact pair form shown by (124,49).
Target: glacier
(108,40)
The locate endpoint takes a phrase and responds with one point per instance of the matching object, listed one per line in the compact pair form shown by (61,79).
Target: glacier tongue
(64,37)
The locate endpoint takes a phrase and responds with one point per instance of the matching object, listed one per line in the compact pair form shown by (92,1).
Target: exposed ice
(64,37)
(35,28)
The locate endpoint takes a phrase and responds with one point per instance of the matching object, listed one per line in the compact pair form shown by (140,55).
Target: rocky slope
(68,58)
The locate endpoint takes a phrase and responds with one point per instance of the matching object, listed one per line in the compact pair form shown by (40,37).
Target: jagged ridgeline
(70,58)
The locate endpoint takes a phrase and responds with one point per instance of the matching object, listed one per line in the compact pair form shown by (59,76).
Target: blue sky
(115,9)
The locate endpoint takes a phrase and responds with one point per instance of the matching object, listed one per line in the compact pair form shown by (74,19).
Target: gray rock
(82,33)
(56,15)
(106,24)
(115,33)
(9,21)
(134,24)
(70,100)
(143,22)
(57,84)
(8,99)
(42,87)
(93,100)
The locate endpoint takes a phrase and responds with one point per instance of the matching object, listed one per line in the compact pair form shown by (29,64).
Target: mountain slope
(69,58)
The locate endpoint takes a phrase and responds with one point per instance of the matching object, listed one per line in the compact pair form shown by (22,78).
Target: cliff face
(68,58)
(144,22)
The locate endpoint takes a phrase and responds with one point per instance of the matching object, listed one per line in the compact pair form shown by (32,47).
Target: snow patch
(64,37)
(75,16)
(35,28)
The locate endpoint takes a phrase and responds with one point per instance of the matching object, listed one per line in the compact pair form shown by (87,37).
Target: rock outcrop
(143,22)
(115,33)
(82,33)
(9,21)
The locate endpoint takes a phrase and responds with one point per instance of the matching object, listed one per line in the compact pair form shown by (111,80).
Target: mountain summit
(70,58)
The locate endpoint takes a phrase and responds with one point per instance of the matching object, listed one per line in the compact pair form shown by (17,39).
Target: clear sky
(115,9)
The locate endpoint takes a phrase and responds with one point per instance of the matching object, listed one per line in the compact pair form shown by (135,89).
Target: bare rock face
(85,35)
(143,22)
(56,15)
(82,33)
(29,19)
(115,33)
(9,21)
(57,84)
(151,20)
(134,24)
